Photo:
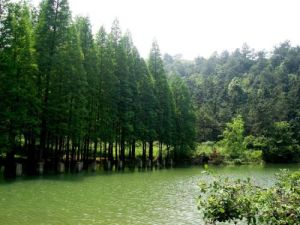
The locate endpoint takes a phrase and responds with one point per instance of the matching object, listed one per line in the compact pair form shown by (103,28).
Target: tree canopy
(263,88)
(68,95)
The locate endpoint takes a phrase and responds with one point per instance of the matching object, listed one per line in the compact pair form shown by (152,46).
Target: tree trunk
(160,152)
(9,169)
(73,155)
(60,148)
(46,151)
(116,152)
(133,151)
(78,152)
(105,151)
(144,153)
(122,156)
(68,154)
(56,154)
(100,152)
(43,136)
(95,150)
(85,149)
(151,151)
(31,156)
(110,152)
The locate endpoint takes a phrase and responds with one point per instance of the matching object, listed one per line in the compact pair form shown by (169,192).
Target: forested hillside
(262,87)
(68,95)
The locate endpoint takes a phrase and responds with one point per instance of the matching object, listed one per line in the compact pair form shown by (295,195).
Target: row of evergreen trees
(67,94)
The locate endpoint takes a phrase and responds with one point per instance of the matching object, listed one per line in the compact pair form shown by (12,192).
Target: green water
(151,197)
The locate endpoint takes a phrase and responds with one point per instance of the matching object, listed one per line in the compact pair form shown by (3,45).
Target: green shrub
(255,143)
(225,201)
(232,201)
(254,156)
(238,162)
(204,147)
(233,138)
(282,147)
(282,154)
(216,157)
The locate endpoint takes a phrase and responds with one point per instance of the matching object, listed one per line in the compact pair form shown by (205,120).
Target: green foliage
(19,103)
(231,201)
(216,157)
(282,147)
(146,112)
(164,108)
(261,87)
(280,204)
(226,201)
(184,133)
(67,94)
(254,156)
(107,88)
(65,91)
(256,143)
(233,138)
(204,147)
(255,147)
(53,36)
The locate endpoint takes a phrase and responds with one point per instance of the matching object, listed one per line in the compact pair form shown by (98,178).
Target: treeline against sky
(68,95)
(264,88)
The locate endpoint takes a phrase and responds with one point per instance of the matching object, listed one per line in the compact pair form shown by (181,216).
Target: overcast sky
(197,27)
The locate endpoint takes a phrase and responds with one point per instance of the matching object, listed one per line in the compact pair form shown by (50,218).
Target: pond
(151,197)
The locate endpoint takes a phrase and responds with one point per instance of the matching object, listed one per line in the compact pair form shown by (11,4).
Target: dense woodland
(262,89)
(68,95)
